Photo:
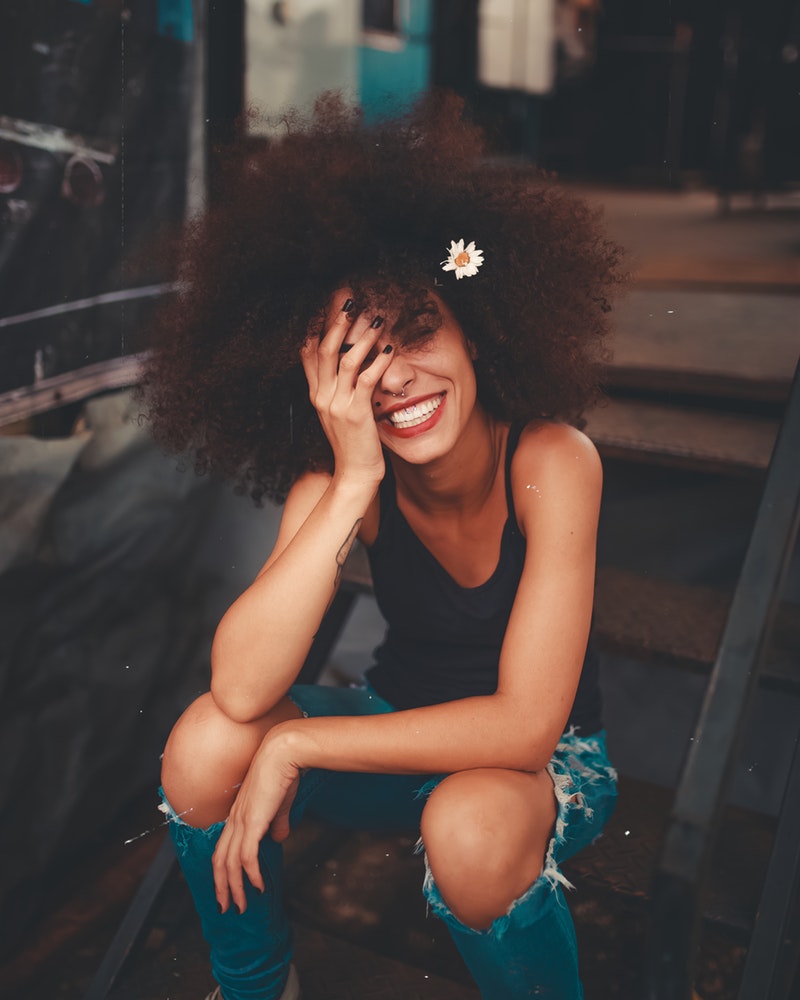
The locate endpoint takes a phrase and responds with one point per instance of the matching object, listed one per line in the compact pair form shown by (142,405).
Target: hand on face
(343,367)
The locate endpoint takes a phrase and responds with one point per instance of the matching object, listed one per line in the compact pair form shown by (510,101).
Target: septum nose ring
(402,392)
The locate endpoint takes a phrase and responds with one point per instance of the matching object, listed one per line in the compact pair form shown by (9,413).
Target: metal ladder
(771,970)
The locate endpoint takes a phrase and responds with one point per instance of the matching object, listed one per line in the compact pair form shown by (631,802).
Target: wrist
(288,744)
(356,487)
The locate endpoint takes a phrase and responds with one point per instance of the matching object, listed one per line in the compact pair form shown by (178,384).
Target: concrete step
(682,437)
(623,860)
(661,621)
(736,344)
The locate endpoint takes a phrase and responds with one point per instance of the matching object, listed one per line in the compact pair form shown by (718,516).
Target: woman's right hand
(343,367)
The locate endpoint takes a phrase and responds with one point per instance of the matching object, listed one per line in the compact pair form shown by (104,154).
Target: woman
(322,347)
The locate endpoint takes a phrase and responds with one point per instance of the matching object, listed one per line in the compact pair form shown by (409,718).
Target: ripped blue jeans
(530,951)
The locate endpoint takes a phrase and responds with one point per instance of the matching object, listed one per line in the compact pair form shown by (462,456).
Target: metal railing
(680,875)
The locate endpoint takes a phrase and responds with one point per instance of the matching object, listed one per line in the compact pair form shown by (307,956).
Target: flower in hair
(465,261)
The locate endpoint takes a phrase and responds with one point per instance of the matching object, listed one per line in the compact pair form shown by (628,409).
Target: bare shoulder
(555,467)
(545,441)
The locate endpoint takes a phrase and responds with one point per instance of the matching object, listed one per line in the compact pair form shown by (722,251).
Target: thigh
(363,801)
(357,801)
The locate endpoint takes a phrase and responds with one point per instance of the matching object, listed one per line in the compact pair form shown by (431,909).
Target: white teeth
(416,414)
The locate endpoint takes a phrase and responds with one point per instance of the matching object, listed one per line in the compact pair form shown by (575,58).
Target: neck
(461,480)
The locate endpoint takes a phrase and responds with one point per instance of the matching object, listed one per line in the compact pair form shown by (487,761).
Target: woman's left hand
(262,804)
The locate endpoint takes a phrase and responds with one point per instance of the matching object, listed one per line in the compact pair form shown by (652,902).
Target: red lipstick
(420,428)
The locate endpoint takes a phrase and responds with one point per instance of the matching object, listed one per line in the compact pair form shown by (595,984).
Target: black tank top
(443,640)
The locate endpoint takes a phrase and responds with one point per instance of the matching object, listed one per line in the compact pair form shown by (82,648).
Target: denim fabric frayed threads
(577,767)
(183,831)
(424,792)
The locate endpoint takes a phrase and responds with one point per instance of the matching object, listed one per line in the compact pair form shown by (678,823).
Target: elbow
(536,749)
(235,704)
(230,696)
(529,756)
(532,740)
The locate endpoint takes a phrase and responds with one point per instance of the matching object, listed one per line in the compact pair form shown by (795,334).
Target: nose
(397,377)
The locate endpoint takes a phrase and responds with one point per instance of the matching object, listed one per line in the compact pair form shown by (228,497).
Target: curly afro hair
(337,203)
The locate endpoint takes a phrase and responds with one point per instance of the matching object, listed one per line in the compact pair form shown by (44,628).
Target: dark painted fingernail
(219,907)
(378,321)
(236,907)
(348,305)
(387,349)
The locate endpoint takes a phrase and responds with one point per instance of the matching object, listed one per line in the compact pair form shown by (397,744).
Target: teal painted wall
(391,76)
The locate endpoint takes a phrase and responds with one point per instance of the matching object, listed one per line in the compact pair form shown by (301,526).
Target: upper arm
(556,484)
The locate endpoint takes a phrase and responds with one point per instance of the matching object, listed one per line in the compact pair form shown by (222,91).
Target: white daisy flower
(465,261)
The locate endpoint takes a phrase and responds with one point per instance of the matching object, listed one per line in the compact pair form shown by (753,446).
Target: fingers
(365,361)
(347,356)
(336,324)
(347,344)
(249,860)
(220,871)
(235,856)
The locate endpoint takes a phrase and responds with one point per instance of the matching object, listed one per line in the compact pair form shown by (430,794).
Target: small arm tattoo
(344,550)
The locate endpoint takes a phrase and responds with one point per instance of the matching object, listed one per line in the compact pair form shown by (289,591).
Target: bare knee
(207,756)
(486,832)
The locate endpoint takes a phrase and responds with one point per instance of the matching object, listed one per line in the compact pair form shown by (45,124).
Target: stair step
(702,440)
(334,969)
(622,861)
(727,388)
(740,344)
(366,887)
(329,968)
(662,621)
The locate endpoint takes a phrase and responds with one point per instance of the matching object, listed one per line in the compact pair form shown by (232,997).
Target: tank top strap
(514,434)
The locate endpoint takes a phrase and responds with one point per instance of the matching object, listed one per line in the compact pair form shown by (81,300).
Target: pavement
(684,238)
(712,292)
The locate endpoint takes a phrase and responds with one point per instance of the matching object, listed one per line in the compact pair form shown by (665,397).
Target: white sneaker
(291,990)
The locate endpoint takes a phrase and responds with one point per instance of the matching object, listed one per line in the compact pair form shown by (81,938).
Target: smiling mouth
(415,414)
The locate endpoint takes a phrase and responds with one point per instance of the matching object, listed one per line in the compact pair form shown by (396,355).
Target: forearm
(489,731)
(264,637)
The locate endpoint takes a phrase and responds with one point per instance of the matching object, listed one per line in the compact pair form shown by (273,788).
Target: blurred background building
(98,105)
